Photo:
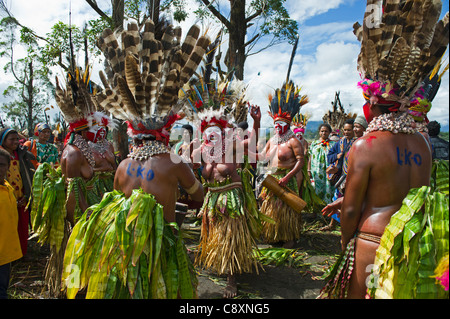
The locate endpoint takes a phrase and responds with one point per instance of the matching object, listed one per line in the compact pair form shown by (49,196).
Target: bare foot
(231,288)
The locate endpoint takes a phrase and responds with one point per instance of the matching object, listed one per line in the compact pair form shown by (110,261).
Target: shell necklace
(147,150)
(397,122)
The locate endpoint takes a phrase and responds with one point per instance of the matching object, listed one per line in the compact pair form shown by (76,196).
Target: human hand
(333,208)
(283,181)
(255,112)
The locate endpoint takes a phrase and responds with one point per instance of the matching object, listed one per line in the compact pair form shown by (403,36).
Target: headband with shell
(144,73)
(400,49)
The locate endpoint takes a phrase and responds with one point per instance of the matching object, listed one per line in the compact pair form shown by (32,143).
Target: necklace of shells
(148,149)
(280,139)
(212,153)
(85,149)
(397,122)
(100,147)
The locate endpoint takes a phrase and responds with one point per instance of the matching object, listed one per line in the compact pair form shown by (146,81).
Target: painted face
(367,112)
(93,133)
(212,134)
(281,127)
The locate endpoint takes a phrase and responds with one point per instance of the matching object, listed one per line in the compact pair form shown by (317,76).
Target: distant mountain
(313,126)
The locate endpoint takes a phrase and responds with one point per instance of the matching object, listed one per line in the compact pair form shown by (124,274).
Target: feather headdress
(76,101)
(144,73)
(286,102)
(300,120)
(401,42)
(220,103)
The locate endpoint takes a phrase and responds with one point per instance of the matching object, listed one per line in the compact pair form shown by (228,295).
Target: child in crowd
(9,237)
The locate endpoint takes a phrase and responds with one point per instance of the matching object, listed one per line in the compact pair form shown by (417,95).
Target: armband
(191,190)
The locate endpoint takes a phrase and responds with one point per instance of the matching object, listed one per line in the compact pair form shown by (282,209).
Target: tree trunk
(238,30)
(29,99)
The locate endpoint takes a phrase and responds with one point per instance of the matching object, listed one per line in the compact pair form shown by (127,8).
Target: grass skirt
(228,229)
(287,222)
(413,243)
(338,276)
(48,213)
(126,250)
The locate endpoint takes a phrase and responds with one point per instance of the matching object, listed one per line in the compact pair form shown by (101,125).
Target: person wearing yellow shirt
(10,249)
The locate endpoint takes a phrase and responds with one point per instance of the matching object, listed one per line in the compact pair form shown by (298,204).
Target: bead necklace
(148,149)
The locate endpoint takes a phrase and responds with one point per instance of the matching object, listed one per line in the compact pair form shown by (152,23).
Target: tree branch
(94,6)
(217,14)
(253,16)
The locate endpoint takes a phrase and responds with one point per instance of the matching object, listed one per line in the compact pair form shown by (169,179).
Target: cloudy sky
(325,61)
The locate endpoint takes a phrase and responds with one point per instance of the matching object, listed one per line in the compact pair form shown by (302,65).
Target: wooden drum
(285,194)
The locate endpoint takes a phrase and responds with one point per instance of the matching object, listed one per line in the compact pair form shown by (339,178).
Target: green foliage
(277,21)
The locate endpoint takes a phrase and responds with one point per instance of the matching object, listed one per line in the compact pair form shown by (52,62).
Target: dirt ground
(316,251)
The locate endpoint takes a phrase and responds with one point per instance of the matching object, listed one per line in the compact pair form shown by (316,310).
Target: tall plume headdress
(144,72)
(216,103)
(287,101)
(76,99)
(208,101)
(399,51)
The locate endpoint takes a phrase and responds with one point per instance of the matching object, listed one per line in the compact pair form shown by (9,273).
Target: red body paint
(369,140)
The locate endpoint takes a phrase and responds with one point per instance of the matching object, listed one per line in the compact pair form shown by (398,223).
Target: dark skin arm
(297,148)
(355,190)
(74,161)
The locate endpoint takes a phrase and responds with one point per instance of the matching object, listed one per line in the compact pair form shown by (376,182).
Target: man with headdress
(130,232)
(392,160)
(286,155)
(230,218)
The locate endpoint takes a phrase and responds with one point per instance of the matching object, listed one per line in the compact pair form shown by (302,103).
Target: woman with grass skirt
(61,196)
(230,217)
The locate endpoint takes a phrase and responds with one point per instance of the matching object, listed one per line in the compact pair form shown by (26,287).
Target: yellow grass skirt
(227,243)
(288,223)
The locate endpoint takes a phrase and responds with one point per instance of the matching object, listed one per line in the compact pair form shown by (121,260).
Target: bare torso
(74,164)
(104,161)
(383,167)
(285,156)
(158,176)
(397,163)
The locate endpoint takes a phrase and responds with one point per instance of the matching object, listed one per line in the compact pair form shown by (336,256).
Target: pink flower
(444,280)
